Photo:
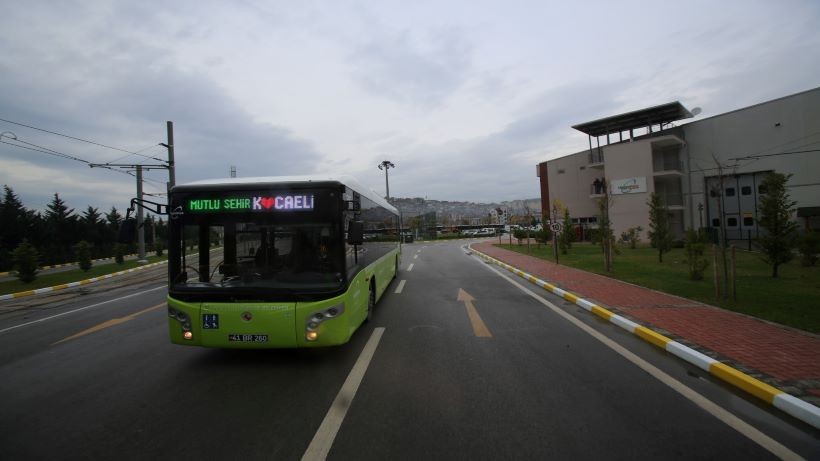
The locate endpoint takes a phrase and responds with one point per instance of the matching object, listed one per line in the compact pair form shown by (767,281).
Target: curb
(38,291)
(790,404)
(55,266)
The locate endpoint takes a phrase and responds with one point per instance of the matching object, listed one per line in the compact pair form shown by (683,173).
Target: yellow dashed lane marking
(108,323)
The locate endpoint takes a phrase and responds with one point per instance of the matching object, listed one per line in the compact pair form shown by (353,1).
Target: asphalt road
(498,374)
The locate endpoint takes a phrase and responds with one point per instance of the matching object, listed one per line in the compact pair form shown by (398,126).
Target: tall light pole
(386,165)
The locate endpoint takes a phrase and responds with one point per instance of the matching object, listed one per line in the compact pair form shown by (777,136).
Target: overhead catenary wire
(55,153)
(85,140)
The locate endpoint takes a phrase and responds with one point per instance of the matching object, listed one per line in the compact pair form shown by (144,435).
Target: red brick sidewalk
(789,358)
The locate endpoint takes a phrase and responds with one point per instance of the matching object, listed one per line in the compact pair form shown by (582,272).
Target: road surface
(464,363)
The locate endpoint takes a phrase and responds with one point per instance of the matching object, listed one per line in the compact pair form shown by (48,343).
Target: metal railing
(667,165)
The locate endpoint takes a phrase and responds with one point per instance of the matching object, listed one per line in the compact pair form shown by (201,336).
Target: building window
(730,191)
(561,171)
(731,222)
(746,190)
(761,189)
(715,222)
(713,193)
(748,221)
(593,220)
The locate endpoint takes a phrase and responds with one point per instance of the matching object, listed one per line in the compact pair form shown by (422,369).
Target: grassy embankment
(74,275)
(792,299)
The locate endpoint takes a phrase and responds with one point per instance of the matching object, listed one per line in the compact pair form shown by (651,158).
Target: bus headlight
(311,335)
(188,335)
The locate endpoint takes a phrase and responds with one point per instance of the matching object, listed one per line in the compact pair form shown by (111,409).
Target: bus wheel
(371,302)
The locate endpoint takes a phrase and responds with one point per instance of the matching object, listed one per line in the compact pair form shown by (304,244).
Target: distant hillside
(461,210)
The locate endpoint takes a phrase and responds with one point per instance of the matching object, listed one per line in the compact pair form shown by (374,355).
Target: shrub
(119,253)
(543,236)
(694,254)
(809,248)
(83,252)
(159,247)
(631,237)
(519,234)
(24,259)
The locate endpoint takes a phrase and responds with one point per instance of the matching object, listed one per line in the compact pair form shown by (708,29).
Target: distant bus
(277,262)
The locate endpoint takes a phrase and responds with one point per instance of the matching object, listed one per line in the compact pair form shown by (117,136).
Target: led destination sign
(261,204)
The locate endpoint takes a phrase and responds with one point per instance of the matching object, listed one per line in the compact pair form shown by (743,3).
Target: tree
(775,210)
(567,235)
(605,235)
(660,232)
(25,258)
(93,229)
(695,247)
(13,228)
(61,225)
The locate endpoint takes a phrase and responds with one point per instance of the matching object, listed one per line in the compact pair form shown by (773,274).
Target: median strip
(63,286)
(798,408)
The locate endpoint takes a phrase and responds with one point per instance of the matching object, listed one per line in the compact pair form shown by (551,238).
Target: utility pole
(140,228)
(386,165)
(172,172)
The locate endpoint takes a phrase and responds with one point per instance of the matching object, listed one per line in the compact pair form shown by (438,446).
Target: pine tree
(775,209)
(60,224)
(660,233)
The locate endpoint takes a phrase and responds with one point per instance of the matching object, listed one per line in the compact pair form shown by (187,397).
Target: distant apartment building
(644,151)
(498,216)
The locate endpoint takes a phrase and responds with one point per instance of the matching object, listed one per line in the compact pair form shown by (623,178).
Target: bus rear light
(188,335)
(311,335)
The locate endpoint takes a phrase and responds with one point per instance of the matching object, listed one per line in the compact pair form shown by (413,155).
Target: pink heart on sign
(267,202)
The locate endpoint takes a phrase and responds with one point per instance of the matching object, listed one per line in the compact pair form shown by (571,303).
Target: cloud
(417,69)
(120,92)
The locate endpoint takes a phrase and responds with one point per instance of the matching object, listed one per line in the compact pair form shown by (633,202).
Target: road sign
(556,227)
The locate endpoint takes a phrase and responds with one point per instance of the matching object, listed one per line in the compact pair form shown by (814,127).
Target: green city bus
(277,262)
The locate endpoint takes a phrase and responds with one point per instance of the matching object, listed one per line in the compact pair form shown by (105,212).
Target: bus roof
(348,181)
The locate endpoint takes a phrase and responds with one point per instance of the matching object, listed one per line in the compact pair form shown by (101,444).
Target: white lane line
(409,268)
(323,439)
(80,309)
(400,287)
(773,446)
(416,256)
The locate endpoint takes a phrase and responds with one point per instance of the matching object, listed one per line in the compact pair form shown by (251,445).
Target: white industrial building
(650,150)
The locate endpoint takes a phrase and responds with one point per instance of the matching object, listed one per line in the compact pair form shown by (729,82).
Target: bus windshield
(224,253)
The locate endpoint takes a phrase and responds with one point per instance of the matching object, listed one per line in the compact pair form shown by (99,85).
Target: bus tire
(371,301)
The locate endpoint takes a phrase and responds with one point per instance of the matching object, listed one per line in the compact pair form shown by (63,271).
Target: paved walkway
(784,357)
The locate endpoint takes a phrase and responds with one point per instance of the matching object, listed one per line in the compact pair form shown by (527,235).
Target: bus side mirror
(355,232)
(128,231)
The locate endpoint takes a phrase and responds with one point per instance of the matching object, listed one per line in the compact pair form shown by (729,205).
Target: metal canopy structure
(657,115)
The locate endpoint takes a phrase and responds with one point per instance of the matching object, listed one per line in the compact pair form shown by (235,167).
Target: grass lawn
(791,299)
(48,280)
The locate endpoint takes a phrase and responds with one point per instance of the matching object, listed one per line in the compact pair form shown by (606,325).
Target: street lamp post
(386,165)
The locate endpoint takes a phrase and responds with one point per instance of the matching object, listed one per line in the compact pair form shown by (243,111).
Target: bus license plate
(245,338)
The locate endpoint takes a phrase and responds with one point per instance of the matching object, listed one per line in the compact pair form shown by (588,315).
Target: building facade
(707,171)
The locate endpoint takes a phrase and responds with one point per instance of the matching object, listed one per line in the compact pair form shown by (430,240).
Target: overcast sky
(465,98)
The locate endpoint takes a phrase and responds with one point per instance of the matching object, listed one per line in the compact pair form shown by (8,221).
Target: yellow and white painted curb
(76,284)
(55,266)
(790,404)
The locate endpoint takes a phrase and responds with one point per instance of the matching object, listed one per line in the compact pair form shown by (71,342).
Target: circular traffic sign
(556,227)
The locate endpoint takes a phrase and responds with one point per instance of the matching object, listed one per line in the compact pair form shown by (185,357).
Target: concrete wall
(788,124)
(571,187)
